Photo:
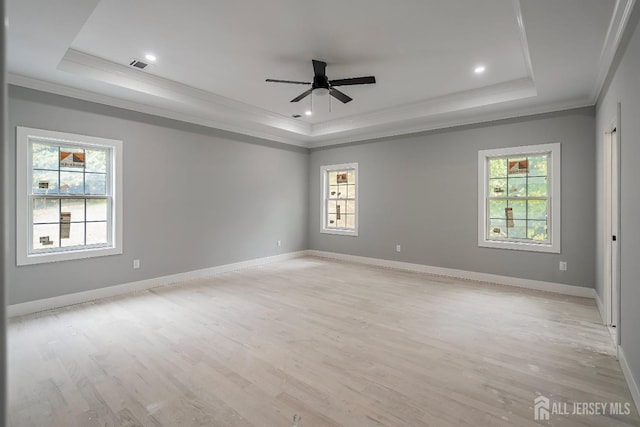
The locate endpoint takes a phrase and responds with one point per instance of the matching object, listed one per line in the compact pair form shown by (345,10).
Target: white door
(611,276)
(615,294)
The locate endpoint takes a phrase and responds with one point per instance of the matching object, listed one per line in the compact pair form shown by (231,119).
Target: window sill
(340,232)
(520,246)
(43,258)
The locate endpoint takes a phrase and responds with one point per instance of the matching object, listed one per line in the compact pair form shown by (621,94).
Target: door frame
(612,225)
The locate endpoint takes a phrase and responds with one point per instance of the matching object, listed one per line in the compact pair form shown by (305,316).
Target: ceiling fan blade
(288,81)
(353,81)
(319,67)
(340,96)
(302,95)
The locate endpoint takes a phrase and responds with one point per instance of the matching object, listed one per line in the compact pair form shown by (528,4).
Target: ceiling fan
(322,85)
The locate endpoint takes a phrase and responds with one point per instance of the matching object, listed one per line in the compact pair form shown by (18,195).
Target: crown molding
(453,122)
(63,90)
(524,43)
(619,20)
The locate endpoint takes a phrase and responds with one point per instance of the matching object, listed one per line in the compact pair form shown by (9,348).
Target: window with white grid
(340,199)
(68,188)
(519,198)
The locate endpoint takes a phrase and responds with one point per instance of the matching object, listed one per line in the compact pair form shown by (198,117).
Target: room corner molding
(538,285)
(85,95)
(628,375)
(36,306)
(615,32)
(600,308)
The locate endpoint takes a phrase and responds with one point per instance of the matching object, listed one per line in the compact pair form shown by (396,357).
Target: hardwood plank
(313,342)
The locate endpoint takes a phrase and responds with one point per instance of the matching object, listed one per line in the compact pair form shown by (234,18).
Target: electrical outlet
(563,266)
(136,263)
(397,248)
(279,243)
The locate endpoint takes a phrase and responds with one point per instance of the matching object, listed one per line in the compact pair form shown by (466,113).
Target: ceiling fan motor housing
(320,82)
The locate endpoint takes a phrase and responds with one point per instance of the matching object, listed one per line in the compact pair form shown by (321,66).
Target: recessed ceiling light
(150,57)
(480,69)
(308,113)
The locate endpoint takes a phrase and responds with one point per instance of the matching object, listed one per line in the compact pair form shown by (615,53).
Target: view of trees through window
(69,196)
(341,199)
(518,198)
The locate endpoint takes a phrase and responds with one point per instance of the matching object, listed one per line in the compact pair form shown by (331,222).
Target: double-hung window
(68,193)
(519,198)
(340,199)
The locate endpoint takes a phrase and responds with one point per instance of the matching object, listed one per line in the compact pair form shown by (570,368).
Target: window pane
(498,187)
(537,209)
(538,166)
(517,166)
(95,183)
(45,182)
(71,159)
(96,161)
(518,231)
(332,178)
(331,206)
(351,177)
(96,232)
(497,229)
(44,156)
(333,191)
(519,208)
(45,210)
(76,235)
(75,207)
(46,236)
(537,230)
(351,192)
(496,208)
(497,168)
(342,192)
(517,187)
(341,206)
(331,221)
(97,209)
(341,222)
(350,221)
(71,183)
(351,207)
(538,187)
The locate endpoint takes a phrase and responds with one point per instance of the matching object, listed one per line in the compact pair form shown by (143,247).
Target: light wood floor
(311,342)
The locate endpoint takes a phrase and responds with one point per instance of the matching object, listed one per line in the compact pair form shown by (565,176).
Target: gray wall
(420,191)
(193,197)
(624,87)
(4,209)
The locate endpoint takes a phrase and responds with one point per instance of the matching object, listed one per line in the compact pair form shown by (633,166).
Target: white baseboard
(631,381)
(601,308)
(462,274)
(110,291)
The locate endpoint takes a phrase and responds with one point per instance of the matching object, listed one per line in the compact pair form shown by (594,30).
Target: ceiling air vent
(138,64)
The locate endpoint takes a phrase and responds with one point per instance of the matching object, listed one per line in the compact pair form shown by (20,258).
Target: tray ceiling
(213,58)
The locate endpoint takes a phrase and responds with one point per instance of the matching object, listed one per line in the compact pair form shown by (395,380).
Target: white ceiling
(214,57)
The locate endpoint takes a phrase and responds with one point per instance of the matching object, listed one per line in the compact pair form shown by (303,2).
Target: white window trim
(23,188)
(323,194)
(554,190)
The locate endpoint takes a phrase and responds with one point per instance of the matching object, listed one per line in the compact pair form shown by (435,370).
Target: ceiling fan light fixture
(321,91)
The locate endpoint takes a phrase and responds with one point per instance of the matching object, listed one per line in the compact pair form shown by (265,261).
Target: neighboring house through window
(340,199)
(519,198)
(68,192)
